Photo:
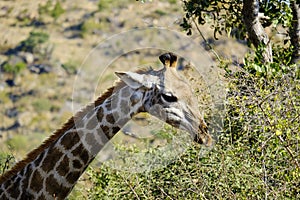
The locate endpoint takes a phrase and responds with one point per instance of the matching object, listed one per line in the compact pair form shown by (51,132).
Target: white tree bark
(256,32)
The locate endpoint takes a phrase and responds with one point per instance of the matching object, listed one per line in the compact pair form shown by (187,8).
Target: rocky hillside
(45,46)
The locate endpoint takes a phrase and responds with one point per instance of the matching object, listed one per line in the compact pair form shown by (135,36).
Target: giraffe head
(167,96)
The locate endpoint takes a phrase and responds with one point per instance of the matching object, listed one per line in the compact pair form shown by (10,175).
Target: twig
(265,174)
(165,193)
(131,188)
(280,138)
(206,42)
(6,164)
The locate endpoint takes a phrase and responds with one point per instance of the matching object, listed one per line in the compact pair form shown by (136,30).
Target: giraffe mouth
(196,128)
(198,132)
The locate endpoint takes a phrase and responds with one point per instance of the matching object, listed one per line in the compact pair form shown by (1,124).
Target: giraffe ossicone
(51,170)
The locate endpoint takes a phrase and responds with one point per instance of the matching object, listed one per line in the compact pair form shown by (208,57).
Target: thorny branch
(280,138)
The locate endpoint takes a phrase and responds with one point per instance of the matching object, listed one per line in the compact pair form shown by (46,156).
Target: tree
(247,20)
(295,31)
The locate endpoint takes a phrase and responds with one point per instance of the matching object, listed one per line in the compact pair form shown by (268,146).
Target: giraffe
(51,170)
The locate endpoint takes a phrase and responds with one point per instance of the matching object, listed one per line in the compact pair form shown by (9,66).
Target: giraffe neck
(55,170)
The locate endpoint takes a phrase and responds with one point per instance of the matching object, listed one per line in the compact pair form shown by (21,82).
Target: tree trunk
(256,32)
(295,31)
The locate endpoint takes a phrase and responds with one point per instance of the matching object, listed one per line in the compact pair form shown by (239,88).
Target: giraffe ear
(168,60)
(135,80)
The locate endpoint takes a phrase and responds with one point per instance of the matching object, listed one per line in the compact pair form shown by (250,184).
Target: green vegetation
(17,143)
(14,69)
(160,12)
(91,25)
(108,5)
(57,10)
(172,1)
(6,160)
(247,20)
(102,5)
(54,11)
(33,41)
(70,67)
(41,105)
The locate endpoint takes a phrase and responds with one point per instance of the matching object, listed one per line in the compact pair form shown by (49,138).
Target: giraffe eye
(169,97)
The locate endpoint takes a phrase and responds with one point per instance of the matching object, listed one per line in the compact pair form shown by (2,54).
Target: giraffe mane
(66,126)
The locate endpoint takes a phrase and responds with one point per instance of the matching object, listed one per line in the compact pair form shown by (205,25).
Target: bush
(33,41)
(14,69)
(70,67)
(57,10)
(104,4)
(254,158)
(42,105)
(54,11)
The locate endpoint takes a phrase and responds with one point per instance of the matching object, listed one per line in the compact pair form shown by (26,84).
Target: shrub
(70,67)
(54,11)
(33,41)
(57,10)
(104,4)
(6,161)
(41,105)
(14,69)
(254,158)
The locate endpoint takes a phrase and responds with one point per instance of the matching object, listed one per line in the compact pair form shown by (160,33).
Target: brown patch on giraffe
(26,195)
(73,177)
(105,129)
(100,114)
(36,183)
(14,191)
(115,129)
(110,118)
(63,168)
(7,183)
(41,197)
(55,189)
(77,164)
(82,153)
(2,193)
(69,139)
(52,157)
